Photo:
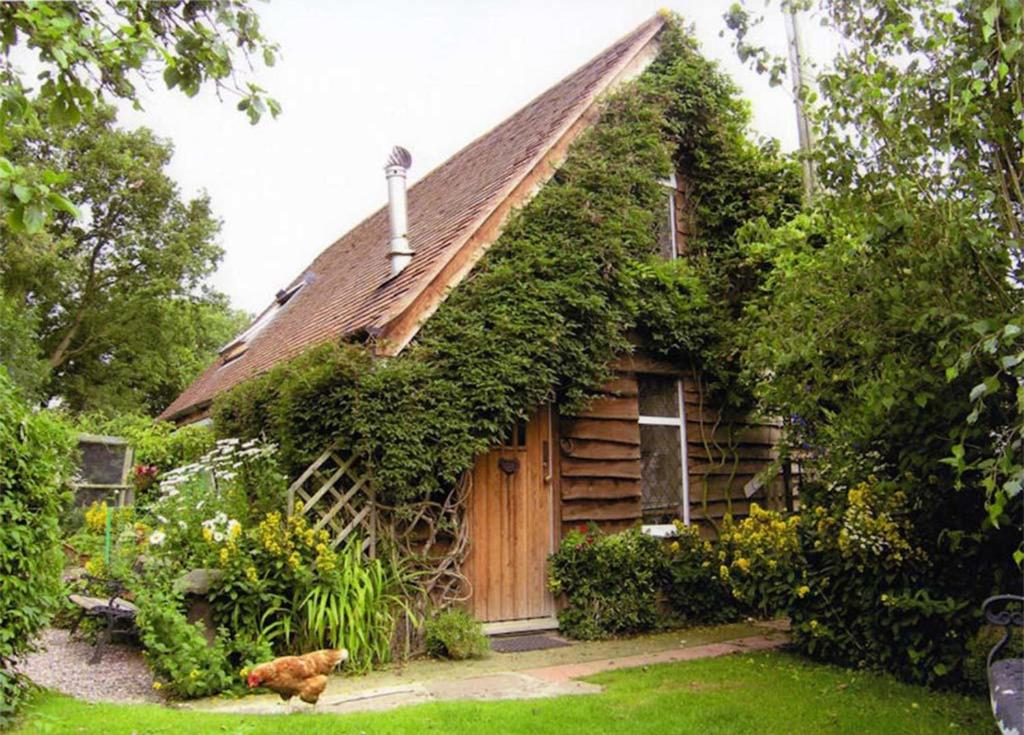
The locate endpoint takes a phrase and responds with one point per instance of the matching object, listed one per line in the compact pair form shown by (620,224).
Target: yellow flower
(208,533)
(295,559)
(251,573)
(674,547)
(224,555)
(802,591)
(193,674)
(742,564)
(157,685)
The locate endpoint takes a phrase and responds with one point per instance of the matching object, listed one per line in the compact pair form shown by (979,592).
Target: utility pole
(797,74)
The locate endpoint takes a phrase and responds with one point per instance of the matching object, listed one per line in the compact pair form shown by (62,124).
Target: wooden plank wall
(724,455)
(599,460)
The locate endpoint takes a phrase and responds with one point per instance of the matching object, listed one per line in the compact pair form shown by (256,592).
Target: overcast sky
(357,78)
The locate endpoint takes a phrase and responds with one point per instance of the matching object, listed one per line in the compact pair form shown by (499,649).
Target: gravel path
(62,664)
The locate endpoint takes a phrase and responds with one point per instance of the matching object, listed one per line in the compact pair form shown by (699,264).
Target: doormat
(520,643)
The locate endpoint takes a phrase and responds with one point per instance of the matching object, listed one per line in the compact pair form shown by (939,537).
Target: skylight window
(238,346)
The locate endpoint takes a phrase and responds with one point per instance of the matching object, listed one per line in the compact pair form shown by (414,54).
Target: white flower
(157,537)
(161,519)
(182,525)
(221,517)
(218,537)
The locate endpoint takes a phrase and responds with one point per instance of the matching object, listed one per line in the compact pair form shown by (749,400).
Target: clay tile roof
(348,288)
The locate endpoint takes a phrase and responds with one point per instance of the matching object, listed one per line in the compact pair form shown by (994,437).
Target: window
(663,477)
(515,436)
(238,346)
(668,248)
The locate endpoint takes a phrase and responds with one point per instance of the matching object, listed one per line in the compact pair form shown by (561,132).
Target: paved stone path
(548,681)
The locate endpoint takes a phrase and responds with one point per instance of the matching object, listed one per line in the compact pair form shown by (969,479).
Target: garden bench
(1006,676)
(117,612)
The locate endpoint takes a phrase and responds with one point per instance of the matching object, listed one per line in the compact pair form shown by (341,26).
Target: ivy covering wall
(556,299)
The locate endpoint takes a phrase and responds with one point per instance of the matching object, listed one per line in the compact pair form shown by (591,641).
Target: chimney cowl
(399,252)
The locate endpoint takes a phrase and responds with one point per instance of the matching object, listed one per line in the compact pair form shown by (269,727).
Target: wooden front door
(512,526)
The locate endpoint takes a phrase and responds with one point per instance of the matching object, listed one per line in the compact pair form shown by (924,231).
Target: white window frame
(671,185)
(680,423)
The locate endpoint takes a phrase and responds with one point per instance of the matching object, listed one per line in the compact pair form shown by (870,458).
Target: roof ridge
(654,19)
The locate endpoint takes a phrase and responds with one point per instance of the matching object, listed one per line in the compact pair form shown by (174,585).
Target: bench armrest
(1004,610)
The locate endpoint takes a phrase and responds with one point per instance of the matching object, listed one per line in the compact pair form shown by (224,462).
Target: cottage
(652,448)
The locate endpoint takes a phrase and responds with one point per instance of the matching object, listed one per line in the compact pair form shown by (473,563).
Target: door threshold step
(526,625)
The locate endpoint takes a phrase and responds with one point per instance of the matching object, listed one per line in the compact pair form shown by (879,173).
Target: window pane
(661,473)
(659,395)
(665,230)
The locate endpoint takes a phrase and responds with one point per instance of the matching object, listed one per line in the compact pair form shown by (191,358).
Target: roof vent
(400,253)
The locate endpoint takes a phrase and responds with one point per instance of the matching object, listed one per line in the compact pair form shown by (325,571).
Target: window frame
(680,423)
(672,185)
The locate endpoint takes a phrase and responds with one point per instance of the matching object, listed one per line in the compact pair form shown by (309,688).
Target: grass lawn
(755,693)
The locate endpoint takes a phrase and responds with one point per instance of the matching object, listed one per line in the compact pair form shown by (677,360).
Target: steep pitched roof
(455,212)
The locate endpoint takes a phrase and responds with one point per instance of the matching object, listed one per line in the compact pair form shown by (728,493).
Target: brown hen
(298,676)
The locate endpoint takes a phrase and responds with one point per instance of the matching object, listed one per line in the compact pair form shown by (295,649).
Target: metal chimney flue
(400,253)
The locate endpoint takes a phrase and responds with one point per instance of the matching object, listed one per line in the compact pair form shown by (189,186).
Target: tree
(117,300)
(888,330)
(92,52)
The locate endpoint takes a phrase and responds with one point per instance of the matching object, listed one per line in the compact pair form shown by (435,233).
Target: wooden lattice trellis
(336,493)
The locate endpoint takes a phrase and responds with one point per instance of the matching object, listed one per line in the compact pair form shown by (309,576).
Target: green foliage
(878,596)
(119,312)
(610,581)
(693,584)
(454,634)
(762,560)
(231,487)
(354,607)
(887,332)
(284,584)
(35,464)
(160,444)
(182,659)
(555,299)
(84,54)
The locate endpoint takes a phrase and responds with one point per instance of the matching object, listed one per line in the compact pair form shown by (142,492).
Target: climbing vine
(573,277)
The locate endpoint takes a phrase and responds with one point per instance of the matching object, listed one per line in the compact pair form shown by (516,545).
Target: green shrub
(36,452)
(761,560)
(454,634)
(283,583)
(158,443)
(877,598)
(185,664)
(692,583)
(610,581)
